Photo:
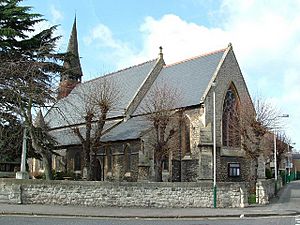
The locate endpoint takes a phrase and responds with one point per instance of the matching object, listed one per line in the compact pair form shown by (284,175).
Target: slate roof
(69,110)
(65,136)
(296,155)
(128,130)
(190,77)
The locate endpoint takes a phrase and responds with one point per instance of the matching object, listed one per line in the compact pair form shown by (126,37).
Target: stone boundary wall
(265,190)
(123,194)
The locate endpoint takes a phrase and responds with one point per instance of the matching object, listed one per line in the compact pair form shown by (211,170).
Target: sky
(117,34)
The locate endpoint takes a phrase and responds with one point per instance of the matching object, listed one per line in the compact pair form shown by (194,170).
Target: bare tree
(282,146)
(256,119)
(97,100)
(159,107)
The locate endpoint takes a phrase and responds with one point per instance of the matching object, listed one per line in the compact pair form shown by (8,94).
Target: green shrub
(252,199)
(268,173)
(58,175)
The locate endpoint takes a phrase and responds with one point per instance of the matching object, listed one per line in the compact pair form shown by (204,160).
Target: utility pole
(214,146)
(275,152)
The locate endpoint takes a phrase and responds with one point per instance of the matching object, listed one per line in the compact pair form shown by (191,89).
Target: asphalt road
(35,220)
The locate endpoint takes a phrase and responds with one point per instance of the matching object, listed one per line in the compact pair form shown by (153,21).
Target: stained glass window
(230,120)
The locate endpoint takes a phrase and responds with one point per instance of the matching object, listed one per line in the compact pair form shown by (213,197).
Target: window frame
(77,161)
(234,169)
(231,137)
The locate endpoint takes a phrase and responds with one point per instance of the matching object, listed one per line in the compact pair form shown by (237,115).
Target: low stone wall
(113,194)
(10,192)
(265,190)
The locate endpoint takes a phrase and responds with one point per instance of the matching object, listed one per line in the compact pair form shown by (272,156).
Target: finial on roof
(229,45)
(160,52)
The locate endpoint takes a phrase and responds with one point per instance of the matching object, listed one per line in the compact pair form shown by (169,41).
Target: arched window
(186,135)
(230,120)
(109,159)
(127,155)
(77,161)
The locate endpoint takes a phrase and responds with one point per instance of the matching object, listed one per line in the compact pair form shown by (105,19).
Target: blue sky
(117,34)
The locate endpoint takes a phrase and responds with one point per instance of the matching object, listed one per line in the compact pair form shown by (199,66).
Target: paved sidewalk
(287,204)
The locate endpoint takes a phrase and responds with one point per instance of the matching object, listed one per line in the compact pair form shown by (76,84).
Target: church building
(126,152)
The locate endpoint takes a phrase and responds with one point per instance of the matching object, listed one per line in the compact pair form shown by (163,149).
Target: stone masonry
(229,73)
(265,190)
(122,194)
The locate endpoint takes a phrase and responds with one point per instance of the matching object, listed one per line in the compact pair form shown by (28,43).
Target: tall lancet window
(230,120)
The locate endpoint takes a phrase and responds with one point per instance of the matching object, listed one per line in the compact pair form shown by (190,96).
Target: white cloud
(179,39)
(57,15)
(262,29)
(102,37)
(46,24)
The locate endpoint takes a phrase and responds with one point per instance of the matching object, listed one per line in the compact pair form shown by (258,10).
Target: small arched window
(186,135)
(77,161)
(109,158)
(127,155)
(230,119)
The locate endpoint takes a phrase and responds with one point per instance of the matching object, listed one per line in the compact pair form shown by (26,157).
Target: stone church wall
(222,168)
(121,194)
(229,73)
(119,171)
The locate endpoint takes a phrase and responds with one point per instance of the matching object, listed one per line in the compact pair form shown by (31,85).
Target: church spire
(72,69)
(72,61)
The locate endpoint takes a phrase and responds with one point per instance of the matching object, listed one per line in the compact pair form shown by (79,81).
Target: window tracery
(230,119)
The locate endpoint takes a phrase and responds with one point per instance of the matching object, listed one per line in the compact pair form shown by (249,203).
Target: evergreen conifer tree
(28,68)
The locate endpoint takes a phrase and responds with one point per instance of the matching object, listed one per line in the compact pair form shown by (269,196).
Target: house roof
(70,110)
(190,77)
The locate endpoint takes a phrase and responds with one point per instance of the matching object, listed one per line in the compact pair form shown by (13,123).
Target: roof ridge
(195,57)
(118,71)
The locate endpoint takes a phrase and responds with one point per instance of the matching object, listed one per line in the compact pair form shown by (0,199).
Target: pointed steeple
(72,60)
(72,73)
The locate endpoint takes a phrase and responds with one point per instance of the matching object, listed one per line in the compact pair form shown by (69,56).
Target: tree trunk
(87,147)
(93,165)
(95,143)
(158,170)
(47,162)
(87,160)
